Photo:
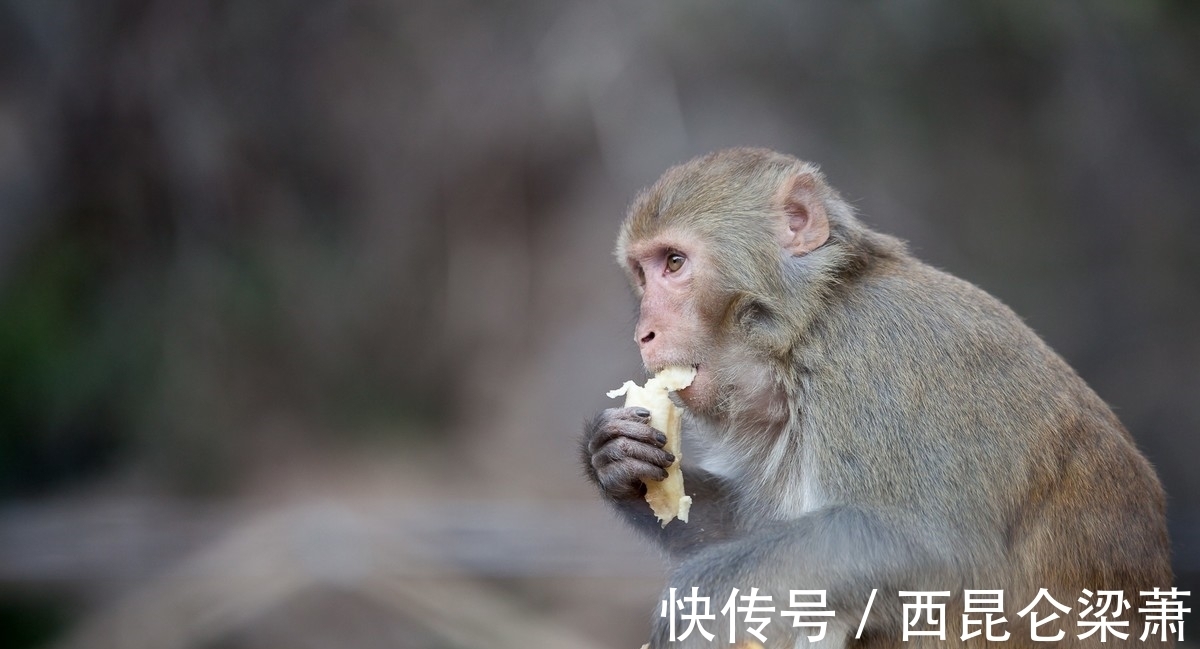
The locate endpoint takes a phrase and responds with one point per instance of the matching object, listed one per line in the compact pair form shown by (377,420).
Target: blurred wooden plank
(117,543)
(390,559)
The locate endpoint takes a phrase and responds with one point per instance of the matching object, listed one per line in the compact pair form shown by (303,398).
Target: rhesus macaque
(859,421)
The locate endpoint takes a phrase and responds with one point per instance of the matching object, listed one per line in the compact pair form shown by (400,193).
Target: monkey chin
(701,396)
(710,394)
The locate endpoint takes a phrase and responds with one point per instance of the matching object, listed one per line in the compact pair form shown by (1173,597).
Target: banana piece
(666,497)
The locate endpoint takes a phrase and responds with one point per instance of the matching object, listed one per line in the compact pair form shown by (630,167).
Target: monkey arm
(711,520)
(620,452)
(846,551)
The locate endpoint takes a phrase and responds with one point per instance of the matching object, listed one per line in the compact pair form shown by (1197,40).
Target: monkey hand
(621,452)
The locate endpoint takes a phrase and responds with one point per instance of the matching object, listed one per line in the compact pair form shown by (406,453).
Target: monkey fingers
(627,478)
(623,448)
(625,422)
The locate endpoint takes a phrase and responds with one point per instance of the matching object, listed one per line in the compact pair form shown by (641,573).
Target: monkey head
(716,254)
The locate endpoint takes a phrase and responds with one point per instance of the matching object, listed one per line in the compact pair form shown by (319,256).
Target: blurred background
(302,303)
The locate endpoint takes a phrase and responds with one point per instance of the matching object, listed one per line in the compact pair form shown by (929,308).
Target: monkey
(862,423)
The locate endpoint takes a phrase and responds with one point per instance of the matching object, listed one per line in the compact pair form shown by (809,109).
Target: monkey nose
(647,338)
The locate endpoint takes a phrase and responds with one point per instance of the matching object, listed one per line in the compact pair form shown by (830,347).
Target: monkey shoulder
(932,357)
(935,362)
(910,310)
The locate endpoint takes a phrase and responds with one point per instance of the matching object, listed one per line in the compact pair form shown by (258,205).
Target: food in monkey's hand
(666,497)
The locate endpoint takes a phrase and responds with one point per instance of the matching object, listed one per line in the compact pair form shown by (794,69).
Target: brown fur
(874,422)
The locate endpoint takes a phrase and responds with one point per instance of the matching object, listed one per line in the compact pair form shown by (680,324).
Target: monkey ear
(806,223)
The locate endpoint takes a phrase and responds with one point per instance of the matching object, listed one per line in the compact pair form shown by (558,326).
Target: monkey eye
(641,275)
(674,261)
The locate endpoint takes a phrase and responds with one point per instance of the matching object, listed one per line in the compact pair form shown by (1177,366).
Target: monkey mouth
(696,368)
(683,396)
(658,367)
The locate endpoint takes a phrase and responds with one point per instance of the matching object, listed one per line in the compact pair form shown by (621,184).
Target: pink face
(682,317)
(668,273)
